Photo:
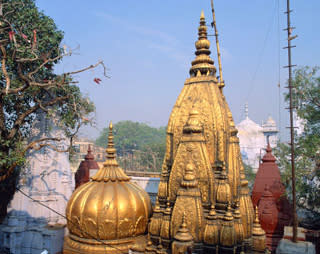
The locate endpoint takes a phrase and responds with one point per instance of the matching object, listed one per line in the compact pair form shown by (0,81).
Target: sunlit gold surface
(227,232)
(107,213)
(258,235)
(202,173)
(182,239)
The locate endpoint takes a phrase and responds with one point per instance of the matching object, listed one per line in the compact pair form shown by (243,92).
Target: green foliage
(28,55)
(138,141)
(250,175)
(306,97)
(29,49)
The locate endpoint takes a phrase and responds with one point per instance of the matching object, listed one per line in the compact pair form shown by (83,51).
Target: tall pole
(214,25)
(290,37)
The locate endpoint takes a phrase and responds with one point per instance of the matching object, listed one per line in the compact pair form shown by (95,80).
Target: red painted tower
(83,173)
(269,195)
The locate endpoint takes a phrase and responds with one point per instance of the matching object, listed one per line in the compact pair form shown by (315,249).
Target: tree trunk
(8,183)
(7,190)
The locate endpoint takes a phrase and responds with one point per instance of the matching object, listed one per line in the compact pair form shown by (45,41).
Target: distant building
(81,146)
(270,131)
(87,168)
(254,138)
(269,196)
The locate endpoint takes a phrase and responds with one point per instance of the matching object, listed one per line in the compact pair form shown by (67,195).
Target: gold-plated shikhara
(202,177)
(108,214)
(203,200)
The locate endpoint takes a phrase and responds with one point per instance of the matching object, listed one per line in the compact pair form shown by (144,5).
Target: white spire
(246,110)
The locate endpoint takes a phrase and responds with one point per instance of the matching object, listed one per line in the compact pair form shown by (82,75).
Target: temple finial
(256,219)
(89,155)
(202,15)
(203,64)
(110,170)
(111,151)
(246,110)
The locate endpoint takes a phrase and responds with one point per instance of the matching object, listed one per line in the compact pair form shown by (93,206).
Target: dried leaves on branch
(30,46)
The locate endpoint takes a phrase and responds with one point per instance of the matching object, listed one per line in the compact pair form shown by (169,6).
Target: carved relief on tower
(193,217)
(203,97)
(188,203)
(234,161)
(196,153)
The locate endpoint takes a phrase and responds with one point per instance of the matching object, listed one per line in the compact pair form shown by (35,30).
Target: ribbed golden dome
(109,210)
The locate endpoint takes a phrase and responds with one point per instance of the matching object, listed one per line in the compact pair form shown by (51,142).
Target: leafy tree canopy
(30,45)
(134,138)
(306,99)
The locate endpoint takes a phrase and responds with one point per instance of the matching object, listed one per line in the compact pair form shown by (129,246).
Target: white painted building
(254,138)
(29,227)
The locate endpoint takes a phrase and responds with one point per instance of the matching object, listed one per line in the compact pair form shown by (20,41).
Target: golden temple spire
(202,15)
(111,151)
(165,227)
(202,167)
(228,233)
(238,225)
(183,234)
(258,235)
(183,239)
(110,209)
(149,248)
(110,170)
(228,216)
(223,191)
(155,223)
(257,230)
(203,64)
(211,230)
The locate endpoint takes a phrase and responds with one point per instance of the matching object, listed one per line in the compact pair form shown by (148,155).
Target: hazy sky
(148,47)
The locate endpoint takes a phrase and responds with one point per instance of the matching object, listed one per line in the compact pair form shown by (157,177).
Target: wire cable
(279,70)
(252,83)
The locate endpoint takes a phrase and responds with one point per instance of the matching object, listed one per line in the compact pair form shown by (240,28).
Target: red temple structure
(83,173)
(268,195)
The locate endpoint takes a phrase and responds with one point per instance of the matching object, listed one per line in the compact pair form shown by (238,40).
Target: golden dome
(109,210)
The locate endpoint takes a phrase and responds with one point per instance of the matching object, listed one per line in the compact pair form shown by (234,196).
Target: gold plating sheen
(202,174)
(107,213)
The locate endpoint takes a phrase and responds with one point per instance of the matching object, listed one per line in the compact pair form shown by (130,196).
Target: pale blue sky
(148,46)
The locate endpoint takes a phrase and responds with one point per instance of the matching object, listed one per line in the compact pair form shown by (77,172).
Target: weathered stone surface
(288,247)
(149,184)
(29,227)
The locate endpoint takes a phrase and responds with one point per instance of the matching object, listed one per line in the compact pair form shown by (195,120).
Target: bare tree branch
(4,68)
(91,67)
(21,117)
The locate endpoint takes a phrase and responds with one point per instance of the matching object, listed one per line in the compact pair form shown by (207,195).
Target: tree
(250,175)
(30,45)
(139,142)
(306,99)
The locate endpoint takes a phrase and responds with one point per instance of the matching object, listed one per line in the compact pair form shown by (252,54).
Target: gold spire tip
(202,15)
(256,215)
(110,125)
